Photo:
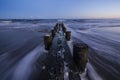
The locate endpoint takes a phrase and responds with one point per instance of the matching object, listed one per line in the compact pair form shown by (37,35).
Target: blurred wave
(21,43)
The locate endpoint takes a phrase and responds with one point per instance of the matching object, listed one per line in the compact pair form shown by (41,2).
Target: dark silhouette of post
(80,55)
(68,35)
(47,41)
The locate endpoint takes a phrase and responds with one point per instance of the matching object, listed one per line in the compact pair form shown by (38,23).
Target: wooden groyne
(61,63)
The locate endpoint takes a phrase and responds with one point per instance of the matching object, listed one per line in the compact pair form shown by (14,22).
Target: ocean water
(21,44)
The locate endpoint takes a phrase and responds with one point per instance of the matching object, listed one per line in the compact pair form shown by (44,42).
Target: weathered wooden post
(68,35)
(47,41)
(80,55)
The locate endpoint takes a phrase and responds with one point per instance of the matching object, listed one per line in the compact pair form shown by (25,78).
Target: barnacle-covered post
(68,35)
(47,41)
(80,55)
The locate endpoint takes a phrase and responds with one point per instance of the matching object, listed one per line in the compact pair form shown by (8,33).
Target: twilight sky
(45,9)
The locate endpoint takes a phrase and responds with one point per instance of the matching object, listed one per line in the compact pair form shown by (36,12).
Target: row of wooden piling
(67,33)
(48,38)
(80,50)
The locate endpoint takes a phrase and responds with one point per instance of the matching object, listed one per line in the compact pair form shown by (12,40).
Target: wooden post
(80,55)
(68,35)
(47,41)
